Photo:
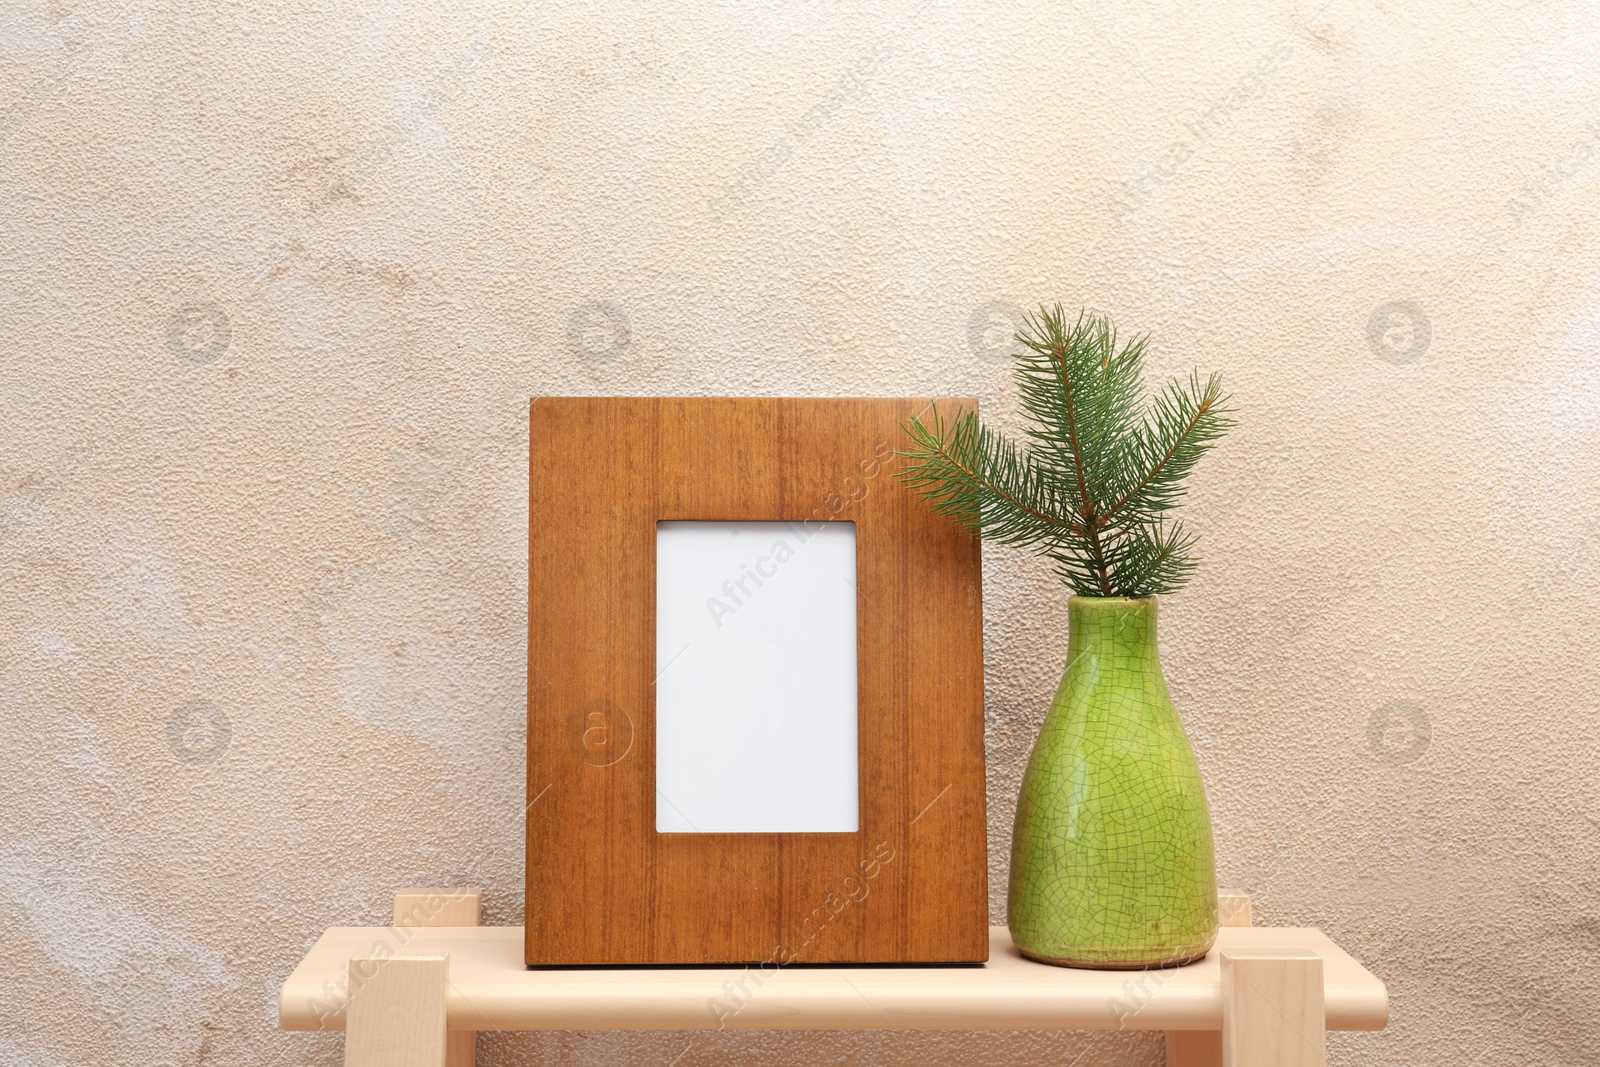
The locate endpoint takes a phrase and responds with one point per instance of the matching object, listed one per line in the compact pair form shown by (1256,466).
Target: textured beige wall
(276,285)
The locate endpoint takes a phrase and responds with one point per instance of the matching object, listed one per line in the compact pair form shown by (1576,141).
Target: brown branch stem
(1091,528)
(1200,413)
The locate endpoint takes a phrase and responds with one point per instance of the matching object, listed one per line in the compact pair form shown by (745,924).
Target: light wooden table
(414,994)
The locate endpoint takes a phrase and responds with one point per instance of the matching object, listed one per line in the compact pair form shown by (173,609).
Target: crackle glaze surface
(277,282)
(1112,862)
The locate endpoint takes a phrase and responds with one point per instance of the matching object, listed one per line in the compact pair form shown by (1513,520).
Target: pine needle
(1093,489)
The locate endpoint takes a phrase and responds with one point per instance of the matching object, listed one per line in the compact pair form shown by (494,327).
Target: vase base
(1102,965)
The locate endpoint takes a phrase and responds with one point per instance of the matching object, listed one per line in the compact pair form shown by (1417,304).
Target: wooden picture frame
(603,887)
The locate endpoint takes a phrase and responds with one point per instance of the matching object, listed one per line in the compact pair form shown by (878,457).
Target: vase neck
(1102,624)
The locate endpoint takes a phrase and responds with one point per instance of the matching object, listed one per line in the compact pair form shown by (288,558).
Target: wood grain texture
(396,1016)
(1273,1013)
(437,907)
(1203,1048)
(1233,908)
(416,908)
(603,886)
(491,988)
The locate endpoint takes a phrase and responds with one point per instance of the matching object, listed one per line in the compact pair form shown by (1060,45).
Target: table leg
(1272,1009)
(443,907)
(396,1014)
(1203,1048)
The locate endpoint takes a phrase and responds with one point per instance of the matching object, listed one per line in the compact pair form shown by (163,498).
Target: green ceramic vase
(1111,861)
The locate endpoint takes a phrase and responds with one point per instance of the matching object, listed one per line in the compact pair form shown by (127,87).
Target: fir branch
(1187,422)
(1094,488)
(983,481)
